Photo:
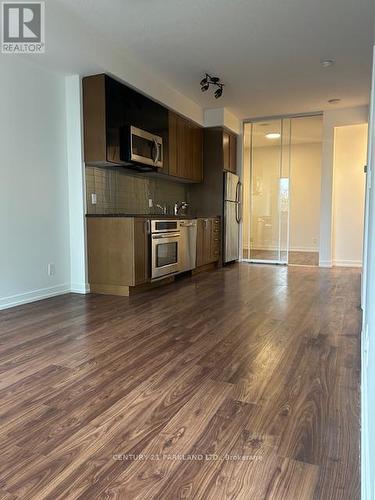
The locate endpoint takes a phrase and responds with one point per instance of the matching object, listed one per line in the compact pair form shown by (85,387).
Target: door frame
(251,121)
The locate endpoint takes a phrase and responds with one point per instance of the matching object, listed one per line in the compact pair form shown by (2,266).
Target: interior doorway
(281,178)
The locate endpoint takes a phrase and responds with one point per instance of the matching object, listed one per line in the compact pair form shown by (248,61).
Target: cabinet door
(172,144)
(181,147)
(94,119)
(215,238)
(188,167)
(229,152)
(233,153)
(185,145)
(197,173)
(208,241)
(200,242)
(226,151)
(141,251)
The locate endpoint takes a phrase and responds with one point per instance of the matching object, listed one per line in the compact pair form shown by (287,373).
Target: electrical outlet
(51,269)
(150,203)
(93,198)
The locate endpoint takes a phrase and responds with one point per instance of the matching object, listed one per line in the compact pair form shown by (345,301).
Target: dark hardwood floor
(242,383)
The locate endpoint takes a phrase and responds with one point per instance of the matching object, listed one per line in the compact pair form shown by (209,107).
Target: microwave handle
(156,157)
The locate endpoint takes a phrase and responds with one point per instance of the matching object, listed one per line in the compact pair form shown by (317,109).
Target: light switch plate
(150,203)
(51,269)
(93,198)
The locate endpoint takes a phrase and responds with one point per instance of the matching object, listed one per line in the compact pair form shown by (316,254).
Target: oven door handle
(164,236)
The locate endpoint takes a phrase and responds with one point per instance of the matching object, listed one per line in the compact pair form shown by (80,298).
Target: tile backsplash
(122,191)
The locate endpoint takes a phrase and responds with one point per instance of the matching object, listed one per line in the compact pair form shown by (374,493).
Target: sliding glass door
(266,191)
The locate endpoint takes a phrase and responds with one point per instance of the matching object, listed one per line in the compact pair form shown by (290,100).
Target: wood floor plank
(194,475)
(143,479)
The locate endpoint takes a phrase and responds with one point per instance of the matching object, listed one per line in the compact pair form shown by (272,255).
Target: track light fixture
(212,80)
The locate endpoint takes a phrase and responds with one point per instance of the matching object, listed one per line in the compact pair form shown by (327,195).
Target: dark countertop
(151,216)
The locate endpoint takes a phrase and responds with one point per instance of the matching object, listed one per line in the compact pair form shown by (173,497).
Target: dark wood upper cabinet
(220,149)
(109,107)
(233,153)
(185,149)
(226,151)
(229,152)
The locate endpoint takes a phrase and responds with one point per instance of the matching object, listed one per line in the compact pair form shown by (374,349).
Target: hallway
(241,383)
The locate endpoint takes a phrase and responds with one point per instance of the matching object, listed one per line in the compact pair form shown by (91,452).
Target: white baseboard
(43,293)
(80,288)
(293,249)
(304,249)
(347,263)
(325,263)
(25,298)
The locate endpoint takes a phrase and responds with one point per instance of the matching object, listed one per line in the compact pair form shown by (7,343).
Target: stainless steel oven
(165,248)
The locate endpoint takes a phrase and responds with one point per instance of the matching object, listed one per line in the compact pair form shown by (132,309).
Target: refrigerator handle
(238,212)
(238,192)
(238,202)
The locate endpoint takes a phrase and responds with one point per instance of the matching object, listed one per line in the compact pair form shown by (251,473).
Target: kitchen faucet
(180,205)
(163,208)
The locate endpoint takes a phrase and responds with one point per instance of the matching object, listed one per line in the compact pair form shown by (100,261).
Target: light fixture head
(327,63)
(218,92)
(334,101)
(273,135)
(205,86)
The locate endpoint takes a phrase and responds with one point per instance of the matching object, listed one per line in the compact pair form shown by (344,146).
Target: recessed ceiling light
(327,63)
(334,101)
(273,135)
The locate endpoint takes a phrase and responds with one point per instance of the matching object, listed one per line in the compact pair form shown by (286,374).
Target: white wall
(331,119)
(350,153)
(34,216)
(76,175)
(305,176)
(222,117)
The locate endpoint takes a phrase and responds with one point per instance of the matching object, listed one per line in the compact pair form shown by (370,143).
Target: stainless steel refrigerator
(232,216)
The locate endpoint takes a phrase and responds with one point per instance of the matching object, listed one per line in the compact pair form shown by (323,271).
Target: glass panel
(284,189)
(142,147)
(246,191)
(166,254)
(305,185)
(266,149)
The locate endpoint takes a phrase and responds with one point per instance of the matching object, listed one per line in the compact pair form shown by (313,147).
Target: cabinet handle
(147,226)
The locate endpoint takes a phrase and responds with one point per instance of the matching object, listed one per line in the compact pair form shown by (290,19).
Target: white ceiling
(267,52)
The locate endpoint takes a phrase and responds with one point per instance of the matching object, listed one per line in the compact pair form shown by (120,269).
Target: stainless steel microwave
(142,148)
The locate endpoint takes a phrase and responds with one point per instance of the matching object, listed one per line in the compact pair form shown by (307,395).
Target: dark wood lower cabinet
(118,254)
(208,241)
